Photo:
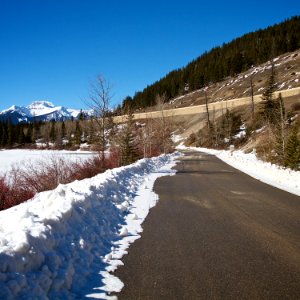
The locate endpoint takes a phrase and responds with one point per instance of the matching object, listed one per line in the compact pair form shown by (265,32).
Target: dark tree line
(227,60)
(27,134)
(19,134)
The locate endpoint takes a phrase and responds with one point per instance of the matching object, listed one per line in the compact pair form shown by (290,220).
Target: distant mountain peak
(41,104)
(40,110)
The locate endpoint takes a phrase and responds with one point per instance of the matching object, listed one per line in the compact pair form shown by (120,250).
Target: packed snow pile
(282,178)
(64,243)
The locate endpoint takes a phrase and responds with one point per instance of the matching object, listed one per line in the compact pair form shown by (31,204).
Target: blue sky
(53,49)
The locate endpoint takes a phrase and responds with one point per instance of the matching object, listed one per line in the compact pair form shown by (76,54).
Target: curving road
(216,233)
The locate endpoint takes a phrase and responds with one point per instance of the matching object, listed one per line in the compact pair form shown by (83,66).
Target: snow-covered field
(10,158)
(63,243)
(271,174)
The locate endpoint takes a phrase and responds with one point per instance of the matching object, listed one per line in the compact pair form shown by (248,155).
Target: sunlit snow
(64,243)
(10,158)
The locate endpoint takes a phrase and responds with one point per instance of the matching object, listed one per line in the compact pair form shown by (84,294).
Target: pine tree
(63,129)
(270,107)
(292,158)
(28,136)
(52,133)
(129,152)
(36,130)
(252,98)
(81,116)
(10,134)
(77,133)
(4,135)
(280,147)
(21,136)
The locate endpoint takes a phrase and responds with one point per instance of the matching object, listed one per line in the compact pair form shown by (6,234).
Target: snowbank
(285,179)
(63,243)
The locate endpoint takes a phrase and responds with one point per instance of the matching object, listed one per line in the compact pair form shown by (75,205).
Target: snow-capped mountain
(39,111)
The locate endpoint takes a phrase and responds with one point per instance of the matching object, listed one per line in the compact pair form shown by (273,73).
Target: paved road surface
(216,233)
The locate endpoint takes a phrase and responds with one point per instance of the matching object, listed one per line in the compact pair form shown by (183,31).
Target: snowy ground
(64,243)
(271,174)
(9,158)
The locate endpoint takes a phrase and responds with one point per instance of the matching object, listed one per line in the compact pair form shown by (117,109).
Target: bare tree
(163,126)
(252,97)
(281,132)
(99,100)
(146,135)
(207,111)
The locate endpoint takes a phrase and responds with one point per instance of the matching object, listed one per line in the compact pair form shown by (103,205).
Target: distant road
(216,233)
(190,110)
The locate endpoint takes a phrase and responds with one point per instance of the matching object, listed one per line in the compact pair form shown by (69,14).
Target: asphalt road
(216,233)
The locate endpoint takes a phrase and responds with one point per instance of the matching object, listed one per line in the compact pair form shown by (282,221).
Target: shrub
(11,195)
(31,178)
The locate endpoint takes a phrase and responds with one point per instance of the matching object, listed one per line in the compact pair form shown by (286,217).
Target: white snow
(38,108)
(64,243)
(10,158)
(45,110)
(282,178)
(176,138)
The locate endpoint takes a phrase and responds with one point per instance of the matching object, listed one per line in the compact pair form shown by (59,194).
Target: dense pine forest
(227,60)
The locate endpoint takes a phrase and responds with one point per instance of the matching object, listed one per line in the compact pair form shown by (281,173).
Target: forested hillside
(220,62)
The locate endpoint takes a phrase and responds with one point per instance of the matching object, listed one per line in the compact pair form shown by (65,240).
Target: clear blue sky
(52,49)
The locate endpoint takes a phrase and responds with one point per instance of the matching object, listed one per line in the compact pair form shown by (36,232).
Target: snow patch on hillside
(64,243)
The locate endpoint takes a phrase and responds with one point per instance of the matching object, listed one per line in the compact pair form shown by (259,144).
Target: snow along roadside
(64,242)
(282,178)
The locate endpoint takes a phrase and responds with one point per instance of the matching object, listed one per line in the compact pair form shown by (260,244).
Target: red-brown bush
(12,195)
(31,178)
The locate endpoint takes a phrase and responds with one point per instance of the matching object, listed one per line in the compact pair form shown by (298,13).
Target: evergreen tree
(111,128)
(81,116)
(4,135)
(21,135)
(280,147)
(230,125)
(292,158)
(77,133)
(270,107)
(10,134)
(129,153)
(63,129)
(36,130)
(52,133)
(28,136)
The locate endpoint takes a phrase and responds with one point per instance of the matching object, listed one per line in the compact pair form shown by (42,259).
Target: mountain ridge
(40,110)
(226,60)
